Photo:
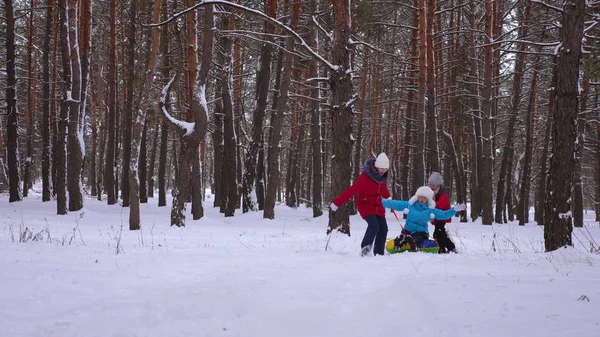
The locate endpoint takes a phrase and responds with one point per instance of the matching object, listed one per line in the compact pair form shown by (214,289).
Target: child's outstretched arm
(444,215)
(398,205)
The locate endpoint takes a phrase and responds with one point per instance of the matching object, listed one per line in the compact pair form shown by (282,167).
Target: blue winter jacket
(419,215)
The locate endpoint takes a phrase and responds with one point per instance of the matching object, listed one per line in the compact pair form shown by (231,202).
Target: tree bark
(11,107)
(164,128)
(30,63)
(85,45)
(558,226)
(409,151)
(190,139)
(138,130)
(486,179)
(504,177)
(418,169)
(578,202)
(152,162)
(109,169)
(273,179)
(94,145)
(315,133)
(342,94)
(75,146)
(525,176)
(229,179)
(46,98)
(249,188)
(61,138)
(476,144)
(142,166)
(433,162)
(127,118)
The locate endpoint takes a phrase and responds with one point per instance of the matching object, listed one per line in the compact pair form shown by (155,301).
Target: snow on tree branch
(260,14)
(329,35)
(547,5)
(181,126)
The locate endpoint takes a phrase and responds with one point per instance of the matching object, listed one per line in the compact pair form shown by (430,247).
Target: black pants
(376,230)
(441,236)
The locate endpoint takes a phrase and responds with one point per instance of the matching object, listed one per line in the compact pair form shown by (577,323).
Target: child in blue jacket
(420,210)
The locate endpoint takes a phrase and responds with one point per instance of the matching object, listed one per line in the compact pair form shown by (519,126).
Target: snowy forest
(268,102)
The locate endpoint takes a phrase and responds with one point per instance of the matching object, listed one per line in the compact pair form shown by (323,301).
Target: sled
(429,246)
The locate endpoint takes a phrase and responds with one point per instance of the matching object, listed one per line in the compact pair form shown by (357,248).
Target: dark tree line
(281,101)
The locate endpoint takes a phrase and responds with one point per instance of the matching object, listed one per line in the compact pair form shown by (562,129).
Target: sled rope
(397,218)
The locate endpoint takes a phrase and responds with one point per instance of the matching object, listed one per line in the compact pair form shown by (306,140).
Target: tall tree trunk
(374,108)
(229,182)
(31,98)
(358,155)
(84,43)
(340,84)
(138,130)
(433,162)
(419,167)
(578,201)
(409,152)
(191,70)
(525,176)
(486,179)
(558,218)
(577,206)
(476,143)
(273,179)
(109,169)
(101,119)
(94,145)
(75,146)
(218,152)
(152,163)
(162,163)
(197,183)
(11,106)
(164,128)
(46,98)
(239,119)
(504,177)
(315,131)
(53,101)
(142,166)
(66,105)
(262,92)
(128,113)
(291,193)
(540,200)
(191,139)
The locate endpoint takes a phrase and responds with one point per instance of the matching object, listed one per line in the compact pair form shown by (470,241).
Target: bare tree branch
(260,14)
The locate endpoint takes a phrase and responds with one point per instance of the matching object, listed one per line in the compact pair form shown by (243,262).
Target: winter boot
(365,251)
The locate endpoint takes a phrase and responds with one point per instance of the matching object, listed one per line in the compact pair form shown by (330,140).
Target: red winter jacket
(442,202)
(370,188)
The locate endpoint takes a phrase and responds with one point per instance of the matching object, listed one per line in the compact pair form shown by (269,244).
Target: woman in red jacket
(370,188)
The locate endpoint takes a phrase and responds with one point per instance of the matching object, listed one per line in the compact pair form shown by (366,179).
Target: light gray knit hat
(435,179)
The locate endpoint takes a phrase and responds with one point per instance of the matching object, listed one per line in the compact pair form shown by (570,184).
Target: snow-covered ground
(245,276)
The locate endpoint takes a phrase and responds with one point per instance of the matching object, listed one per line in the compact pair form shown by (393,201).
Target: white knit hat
(435,179)
(424,191)
(382,161)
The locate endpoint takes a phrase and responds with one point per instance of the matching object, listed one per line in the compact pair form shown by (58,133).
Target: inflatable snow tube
(428,246)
